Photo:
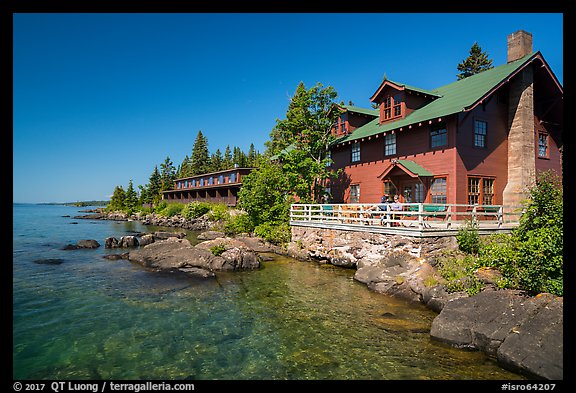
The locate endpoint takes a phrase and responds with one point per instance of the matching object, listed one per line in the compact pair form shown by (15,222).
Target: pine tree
(154,188)
(167,175)
(117,200)
(227,164)
(184,170)
(252,156)
(477,62)
(239,157)
(131,199)
(216,161)
(199,161)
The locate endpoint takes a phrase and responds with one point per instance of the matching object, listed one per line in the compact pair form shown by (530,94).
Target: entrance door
(412,191)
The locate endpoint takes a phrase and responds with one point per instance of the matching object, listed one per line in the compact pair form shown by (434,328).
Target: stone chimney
(521,141)
(519,45)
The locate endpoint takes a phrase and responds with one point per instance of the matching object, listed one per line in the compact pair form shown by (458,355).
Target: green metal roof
(413,88)
(454,97)
(414,168)
(364,111)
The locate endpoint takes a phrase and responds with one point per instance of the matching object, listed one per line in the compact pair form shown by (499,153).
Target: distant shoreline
(77,204)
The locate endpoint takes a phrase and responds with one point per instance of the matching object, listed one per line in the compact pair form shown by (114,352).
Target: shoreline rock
(80,244)
(524,334)
(175,254)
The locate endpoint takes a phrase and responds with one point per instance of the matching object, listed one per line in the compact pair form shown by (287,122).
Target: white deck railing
(420,216)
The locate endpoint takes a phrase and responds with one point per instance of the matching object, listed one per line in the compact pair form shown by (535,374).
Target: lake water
(91,318)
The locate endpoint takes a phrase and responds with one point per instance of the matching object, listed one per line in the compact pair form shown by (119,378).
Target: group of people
(394,206)
(394,203)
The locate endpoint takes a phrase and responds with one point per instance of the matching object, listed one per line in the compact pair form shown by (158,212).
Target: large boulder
(163,235)
(524,333)
(128,242)
(175,254)
(87,243)
(210,235)
(236,255)
(390,274)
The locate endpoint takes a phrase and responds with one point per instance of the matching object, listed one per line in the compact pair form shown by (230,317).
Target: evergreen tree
(144,197)
(131,198)
(184,170)
(227,164)
(167,175)
(199,161)
(238,157)
(252,156)
(117,202)
(216,161)
(154,188)
(477,62)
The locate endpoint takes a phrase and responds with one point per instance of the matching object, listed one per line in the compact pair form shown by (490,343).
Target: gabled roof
(356,109)
(401,86)
(459,96)
(408,166)
(364,111)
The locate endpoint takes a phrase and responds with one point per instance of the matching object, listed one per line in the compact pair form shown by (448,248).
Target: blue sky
(100,99)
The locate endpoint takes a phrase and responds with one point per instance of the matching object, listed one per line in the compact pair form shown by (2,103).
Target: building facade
(217,187)
(480,140)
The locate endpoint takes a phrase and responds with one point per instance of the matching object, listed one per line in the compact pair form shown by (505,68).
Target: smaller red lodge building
(480,140)
(217,187)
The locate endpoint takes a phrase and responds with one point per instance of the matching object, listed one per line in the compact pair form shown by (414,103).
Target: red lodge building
(480,140)
(216,187)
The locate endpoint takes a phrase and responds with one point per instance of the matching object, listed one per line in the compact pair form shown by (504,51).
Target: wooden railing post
(420,217)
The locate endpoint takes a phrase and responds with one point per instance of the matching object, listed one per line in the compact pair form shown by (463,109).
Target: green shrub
(276,233)
(468,239)
(160,206)
(218,249)
(195,210)
(171,209)
(501,252)
(218,212)
(458,271)
(531,258)
(238,224)
(146,210)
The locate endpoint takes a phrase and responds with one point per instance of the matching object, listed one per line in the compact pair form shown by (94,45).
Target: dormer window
(392,106)
(342,129)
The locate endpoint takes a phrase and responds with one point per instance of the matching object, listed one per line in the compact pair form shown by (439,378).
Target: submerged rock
(115,257)
(49,261)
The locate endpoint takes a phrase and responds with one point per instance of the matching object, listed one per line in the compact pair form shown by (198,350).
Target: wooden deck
(411,219)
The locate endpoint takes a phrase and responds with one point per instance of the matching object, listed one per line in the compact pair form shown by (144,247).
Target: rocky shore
(523,333)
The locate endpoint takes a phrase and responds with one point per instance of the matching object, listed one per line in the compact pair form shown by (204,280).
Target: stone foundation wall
(351,249)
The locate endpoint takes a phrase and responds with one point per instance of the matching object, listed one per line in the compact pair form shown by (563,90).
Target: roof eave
(502,82)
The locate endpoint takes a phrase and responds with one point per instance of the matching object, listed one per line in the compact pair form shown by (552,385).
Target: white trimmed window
(390,144)
(355,152)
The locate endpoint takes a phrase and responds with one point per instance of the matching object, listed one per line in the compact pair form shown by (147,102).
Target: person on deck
(396,206)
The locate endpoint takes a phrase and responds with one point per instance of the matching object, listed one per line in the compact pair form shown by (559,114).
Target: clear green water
(90,318)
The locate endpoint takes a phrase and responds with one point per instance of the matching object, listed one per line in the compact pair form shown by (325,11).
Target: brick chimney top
(519,45)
